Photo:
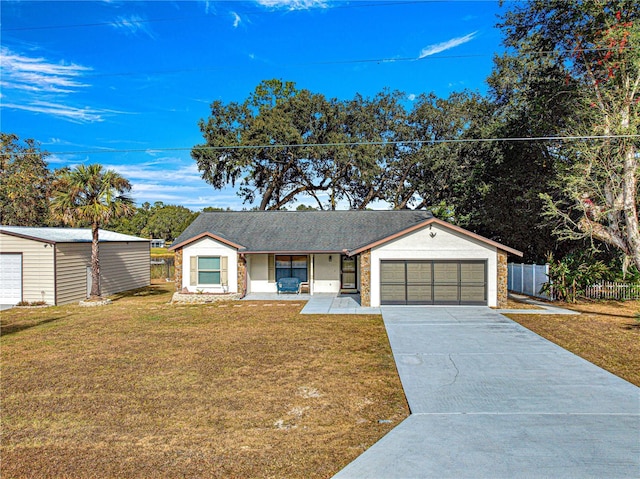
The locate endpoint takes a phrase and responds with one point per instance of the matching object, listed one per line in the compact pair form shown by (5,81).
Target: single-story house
(54,264)
(157,243)
(389,257)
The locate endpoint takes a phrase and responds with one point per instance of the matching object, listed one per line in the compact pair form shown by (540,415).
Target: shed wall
(124,266)
(37,267)
(72,260)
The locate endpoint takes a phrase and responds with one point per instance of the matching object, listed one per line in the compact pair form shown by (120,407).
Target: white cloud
(443,46)
(36,74)
(236,19)
(133,25)
(293,4)
(171,170)
(40,85)
(76,115)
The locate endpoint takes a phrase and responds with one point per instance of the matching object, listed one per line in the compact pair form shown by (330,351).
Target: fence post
(552,295)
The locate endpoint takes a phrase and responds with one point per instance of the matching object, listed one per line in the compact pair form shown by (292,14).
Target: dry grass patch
(515,304)
(607,334)
(140,388)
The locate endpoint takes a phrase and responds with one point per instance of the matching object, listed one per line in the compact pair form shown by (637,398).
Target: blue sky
(124,83)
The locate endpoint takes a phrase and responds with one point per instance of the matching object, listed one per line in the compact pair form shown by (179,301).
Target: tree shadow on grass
(148,291)
(7,329)
(587,311)
(631,326)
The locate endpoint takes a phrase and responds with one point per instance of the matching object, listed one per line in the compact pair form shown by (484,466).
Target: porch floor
(319,303)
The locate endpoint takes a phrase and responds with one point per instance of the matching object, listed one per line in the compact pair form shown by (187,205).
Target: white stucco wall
(446,244)
(326,274)
(210,247)
(258,274)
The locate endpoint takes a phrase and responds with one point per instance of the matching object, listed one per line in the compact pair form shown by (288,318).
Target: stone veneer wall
(503,272)
(178,269)
(242,273)
(365,279)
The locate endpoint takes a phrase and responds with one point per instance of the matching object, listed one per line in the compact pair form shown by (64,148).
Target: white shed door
(10,278)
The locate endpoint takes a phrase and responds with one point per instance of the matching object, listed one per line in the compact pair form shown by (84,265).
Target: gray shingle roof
(66,235)
(302,231)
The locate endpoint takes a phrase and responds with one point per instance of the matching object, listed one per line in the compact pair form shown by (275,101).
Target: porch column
(311,261)
(242,272)
(177,270)
(365,278)
(503,275)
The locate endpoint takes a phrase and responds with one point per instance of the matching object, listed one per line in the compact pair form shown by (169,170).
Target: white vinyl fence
(611,290)
(528,279)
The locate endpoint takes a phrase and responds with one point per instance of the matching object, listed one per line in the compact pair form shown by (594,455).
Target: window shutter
(224,277)
(193,271)
(272,269)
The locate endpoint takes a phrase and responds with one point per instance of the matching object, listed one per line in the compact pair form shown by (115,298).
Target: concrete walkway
(490,399)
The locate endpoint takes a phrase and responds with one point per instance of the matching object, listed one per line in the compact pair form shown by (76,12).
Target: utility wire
(357,143)
(333,6)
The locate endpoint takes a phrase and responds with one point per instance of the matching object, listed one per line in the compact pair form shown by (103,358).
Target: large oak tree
(591,50)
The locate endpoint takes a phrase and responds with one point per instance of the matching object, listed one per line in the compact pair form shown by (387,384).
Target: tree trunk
(630,210)
(95,263)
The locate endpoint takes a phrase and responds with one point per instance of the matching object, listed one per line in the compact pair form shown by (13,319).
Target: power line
(334,6)
(356,143)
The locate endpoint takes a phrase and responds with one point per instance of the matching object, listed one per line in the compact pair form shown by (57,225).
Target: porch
(319,303)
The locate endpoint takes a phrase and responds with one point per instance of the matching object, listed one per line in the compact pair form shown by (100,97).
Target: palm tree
(89,195)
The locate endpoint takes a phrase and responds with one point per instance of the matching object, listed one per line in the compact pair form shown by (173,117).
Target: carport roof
(65,235)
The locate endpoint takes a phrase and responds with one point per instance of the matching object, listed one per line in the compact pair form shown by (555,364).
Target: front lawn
(140,388)
(607,333)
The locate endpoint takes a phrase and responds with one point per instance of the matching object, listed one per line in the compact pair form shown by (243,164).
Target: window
(291,266)
(209,271)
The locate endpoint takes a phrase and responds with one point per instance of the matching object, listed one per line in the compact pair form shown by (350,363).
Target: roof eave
(206,235)
(23,236)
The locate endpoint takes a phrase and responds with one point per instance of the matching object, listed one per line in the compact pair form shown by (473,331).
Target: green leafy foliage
(158,221)
(25,180)
(585,84)
(569,276)
(90,196)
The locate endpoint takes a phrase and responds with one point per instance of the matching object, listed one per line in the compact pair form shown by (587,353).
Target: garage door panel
(10,278)
(433,282)
(419,294)
(472,272)
(392,272)
(445,294)
(472,294)
(392,293)
(445,273)
(419,272)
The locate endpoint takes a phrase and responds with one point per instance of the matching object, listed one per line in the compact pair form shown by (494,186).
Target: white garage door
(433,282)
(10,278)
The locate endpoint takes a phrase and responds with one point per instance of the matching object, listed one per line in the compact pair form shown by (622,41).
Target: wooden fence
(611,290)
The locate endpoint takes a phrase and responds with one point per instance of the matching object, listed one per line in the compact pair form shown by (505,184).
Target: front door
(348,273)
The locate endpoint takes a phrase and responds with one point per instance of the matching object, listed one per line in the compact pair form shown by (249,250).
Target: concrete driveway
(490,399)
